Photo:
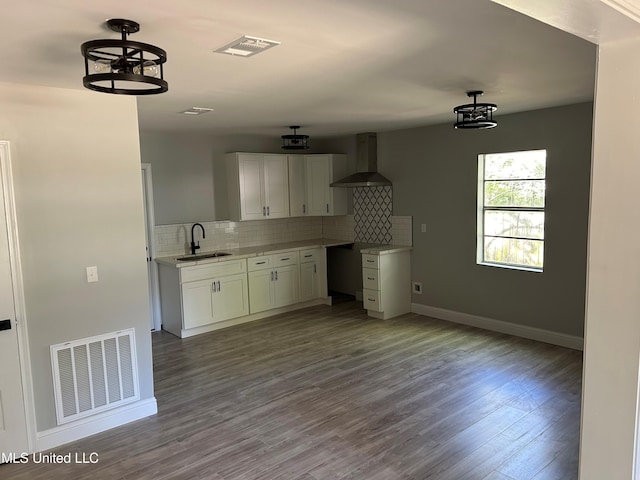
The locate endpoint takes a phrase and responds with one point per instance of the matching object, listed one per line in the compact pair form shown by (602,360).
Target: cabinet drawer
(371,300)
(370,261)
(212,270)
(370,279)
(259,263)
(284,259)
(309,255)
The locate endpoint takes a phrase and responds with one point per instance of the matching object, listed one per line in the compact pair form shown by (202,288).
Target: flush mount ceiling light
(246,46)
(123,67)
(475,115)
(295,141)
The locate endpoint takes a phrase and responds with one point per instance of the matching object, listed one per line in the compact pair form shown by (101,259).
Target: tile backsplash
(372,211)
(173,240)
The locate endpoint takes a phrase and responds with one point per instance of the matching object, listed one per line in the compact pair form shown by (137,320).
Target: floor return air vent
(94,374)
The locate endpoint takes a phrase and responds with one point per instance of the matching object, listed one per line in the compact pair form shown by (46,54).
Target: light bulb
(149,69)
(102,66)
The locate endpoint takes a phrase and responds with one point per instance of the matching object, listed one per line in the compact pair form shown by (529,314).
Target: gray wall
(434,174)
(189,172)
(79,203)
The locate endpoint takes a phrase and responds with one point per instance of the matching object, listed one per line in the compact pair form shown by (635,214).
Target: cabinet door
(276,185)
(308,281)
(286,285)
(297,186)
(231,298)
(250,171)
(197,308)
(261,291)
(318,180)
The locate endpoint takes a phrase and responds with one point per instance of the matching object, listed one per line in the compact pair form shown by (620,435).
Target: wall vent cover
(247,46)
(94,374)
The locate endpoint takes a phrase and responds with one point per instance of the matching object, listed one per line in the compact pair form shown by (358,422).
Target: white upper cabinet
(297,186)
(258,186)
(309,180)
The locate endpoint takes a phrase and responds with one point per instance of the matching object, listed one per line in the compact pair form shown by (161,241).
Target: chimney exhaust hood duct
(366,165)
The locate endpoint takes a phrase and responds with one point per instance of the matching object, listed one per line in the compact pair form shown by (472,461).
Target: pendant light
(123,67)
(295,141)
(475,115)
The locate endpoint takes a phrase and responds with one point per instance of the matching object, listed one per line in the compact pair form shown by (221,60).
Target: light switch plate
(92,274)
(423,228)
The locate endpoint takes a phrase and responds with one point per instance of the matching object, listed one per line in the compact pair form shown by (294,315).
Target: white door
(318,180)
(261,290)
(231,299)
(297,186)
(276,185)
(308,281)
(252,206)
(286,285)
(13,428)
(197,303)
(152,266)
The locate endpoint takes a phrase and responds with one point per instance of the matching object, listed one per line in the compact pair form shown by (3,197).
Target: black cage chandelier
(295,141)
(475,115)
(123,66)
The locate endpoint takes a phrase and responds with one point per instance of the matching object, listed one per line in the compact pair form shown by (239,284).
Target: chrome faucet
(195,247)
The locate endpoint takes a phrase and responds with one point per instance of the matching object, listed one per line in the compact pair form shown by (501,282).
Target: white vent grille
(247,46)
(94,374)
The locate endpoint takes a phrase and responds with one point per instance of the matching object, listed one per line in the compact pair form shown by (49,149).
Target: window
(511,202)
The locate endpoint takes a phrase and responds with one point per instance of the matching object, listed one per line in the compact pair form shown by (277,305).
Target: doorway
(15,420)
(152,267)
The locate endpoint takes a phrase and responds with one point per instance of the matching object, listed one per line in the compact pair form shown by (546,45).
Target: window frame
(482,208)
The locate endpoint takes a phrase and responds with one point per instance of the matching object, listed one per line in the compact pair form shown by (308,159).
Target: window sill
(511,267)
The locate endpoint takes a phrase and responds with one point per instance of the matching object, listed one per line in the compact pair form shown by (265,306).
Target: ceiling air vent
(247,46)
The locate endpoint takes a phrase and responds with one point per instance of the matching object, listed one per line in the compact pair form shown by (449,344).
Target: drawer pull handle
(285,259)
(370,278)
(371,299)
(308,256)
(261,263)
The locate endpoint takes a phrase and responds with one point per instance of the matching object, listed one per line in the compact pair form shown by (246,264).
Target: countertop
(246,252)
(386,249)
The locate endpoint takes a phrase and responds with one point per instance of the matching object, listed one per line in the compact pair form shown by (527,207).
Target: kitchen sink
(202,255)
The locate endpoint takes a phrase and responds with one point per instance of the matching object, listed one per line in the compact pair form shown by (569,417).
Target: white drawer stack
(386,282)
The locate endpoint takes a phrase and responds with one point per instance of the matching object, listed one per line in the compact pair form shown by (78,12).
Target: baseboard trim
(87,426)
(532,333)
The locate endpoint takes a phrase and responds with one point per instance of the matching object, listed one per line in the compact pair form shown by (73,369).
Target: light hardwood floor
(328,393)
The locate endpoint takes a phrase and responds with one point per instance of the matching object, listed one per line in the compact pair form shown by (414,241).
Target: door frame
(154,292)
(18,292)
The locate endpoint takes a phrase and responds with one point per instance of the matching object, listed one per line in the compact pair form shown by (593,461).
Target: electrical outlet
(92,274)
(416,287)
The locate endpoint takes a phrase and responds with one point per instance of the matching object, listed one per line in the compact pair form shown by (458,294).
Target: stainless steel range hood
(366,165)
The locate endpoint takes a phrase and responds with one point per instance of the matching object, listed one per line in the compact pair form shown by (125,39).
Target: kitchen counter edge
(247,252)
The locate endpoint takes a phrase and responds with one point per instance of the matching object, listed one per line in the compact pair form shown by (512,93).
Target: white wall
(76,167)
(612,339)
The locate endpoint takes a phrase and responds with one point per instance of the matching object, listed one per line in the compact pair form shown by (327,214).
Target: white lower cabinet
(386,282)
(201,295)
(312,273)
(216,300)
(273,281)
(199,298)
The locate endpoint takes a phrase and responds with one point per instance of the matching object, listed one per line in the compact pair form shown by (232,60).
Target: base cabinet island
(201,295)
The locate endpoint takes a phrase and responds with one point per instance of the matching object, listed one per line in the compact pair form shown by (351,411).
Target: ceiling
(342,67)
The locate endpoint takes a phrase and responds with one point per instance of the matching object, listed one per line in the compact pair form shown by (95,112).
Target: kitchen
(292,217)
(432,170)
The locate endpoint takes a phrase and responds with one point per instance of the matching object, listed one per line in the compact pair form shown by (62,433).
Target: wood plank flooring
(327,393)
